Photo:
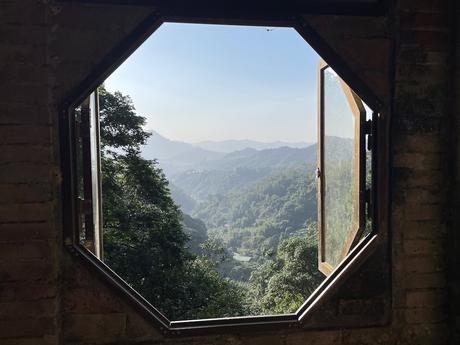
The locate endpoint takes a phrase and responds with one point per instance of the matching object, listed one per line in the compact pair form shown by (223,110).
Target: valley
(246,202)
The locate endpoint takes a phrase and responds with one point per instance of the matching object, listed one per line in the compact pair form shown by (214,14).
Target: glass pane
(338,170)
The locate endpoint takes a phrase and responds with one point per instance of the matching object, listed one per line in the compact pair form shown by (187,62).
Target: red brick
(90,327)
(26,327)
(423,264)
(314,337)
(23,114)
(417,161)
(26,291)
(25,134)
(422,246)
(430,40)
(27,173)
(21,52)
(25,193)
(34,212)
(427,195)
(425,334)
(140,329)
(27,309)
(24,34)
(425,315)
(424,21)
(25,341)
(424,230)
(25,271)
(426,298)
(25,153)
(24,250)
(418,143)
(13,232)
(423,211)
(418,280)
(91,300)
(32,13)
(368,336)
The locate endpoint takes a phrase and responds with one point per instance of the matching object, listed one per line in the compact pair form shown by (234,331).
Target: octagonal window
(207,179)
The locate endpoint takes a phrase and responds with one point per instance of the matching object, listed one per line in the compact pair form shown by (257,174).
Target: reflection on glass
(338,170)
(368,222)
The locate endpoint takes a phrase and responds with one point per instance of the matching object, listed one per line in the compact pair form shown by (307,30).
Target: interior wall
(48,297)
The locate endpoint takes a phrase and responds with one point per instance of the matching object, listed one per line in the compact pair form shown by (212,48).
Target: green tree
(121,127)
(144,239)
(283,284)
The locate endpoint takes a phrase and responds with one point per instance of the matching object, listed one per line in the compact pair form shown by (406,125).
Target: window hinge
(368,131)
(368,127)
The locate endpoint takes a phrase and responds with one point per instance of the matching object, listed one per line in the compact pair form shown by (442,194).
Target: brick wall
(29,238)
(421,180)
(48,297)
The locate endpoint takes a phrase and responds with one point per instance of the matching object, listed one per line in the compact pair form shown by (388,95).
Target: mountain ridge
(232,145)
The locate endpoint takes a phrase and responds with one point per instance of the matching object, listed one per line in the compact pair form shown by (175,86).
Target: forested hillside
(199,185)
(252,222)
(220,234)
(147,239)
(239,170)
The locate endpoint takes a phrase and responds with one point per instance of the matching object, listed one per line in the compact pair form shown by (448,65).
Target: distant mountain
(176,156)
(159,147)
(281,157)
(228,146)
(198,185)
(239,170)
(199,172)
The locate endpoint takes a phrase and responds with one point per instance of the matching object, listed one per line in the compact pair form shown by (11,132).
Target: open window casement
(341,169)
(86,121)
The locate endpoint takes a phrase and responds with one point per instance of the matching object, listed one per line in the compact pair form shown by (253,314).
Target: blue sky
(210,82)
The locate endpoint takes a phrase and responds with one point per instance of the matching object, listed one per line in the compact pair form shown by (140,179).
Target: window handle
(318,173)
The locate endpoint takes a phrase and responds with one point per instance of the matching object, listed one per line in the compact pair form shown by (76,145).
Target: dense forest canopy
(144,237)
(223,234)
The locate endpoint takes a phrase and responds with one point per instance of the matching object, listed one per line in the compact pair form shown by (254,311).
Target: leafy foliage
(145,241)
(258,207)
(196,231)
(121,128)
(281,285)
(254,220)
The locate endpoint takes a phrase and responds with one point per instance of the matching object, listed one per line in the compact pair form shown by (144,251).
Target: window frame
(86,146)
(359,179)
(248,323)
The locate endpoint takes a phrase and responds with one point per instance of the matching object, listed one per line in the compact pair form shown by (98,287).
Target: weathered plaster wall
(48,297)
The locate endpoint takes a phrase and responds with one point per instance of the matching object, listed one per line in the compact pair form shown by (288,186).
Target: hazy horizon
(196,83)
(229,139)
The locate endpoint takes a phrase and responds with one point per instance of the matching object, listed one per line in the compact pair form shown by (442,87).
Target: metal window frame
(88,218)
(300,318)
(244,11)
